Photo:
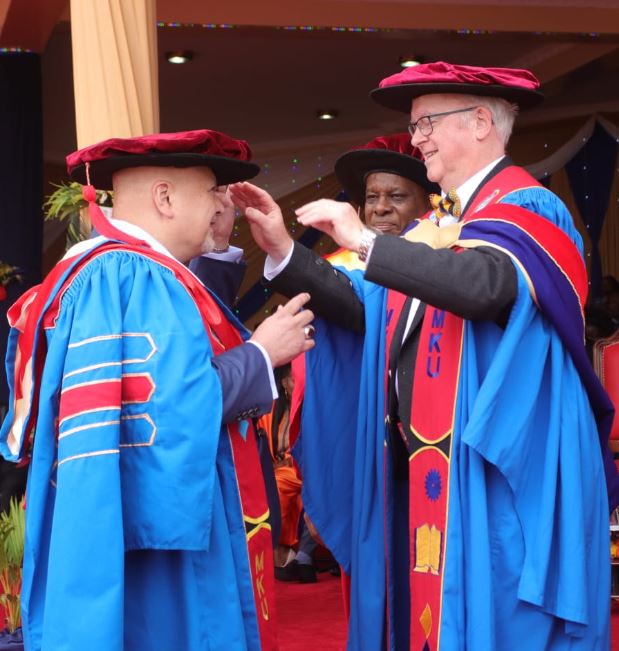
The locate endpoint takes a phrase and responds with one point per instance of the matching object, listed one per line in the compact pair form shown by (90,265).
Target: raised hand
(287,333)
(335,218)
(265,219)
(224,220)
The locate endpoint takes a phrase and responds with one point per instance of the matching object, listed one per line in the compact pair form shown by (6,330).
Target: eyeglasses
(425,125)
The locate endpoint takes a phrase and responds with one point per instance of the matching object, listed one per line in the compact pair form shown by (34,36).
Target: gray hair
(503,113)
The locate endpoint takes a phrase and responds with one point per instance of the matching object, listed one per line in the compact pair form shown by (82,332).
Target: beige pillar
(114,69)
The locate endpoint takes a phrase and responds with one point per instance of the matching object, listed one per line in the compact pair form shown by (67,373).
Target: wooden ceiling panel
(539,15)
(28,24)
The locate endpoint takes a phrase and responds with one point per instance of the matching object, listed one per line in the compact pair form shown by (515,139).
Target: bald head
(177,206)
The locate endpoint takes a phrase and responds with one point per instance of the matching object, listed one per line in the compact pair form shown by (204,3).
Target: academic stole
(432,416)
(41,313)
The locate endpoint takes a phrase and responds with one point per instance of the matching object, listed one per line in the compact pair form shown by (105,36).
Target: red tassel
(89,193)
(101,224)
(98,219)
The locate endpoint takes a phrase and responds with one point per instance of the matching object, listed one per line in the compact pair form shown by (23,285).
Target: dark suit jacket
(243,370)
(223,278)
(477,284)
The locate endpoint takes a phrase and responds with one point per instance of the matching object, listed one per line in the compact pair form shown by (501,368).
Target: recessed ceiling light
(179,56)
(327,115)
(408,61)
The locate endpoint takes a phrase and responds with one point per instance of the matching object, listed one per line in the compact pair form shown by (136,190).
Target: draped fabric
(21,164)
(591,174)
(115,69)
(584,173)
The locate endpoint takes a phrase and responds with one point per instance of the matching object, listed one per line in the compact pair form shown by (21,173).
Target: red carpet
(311,616)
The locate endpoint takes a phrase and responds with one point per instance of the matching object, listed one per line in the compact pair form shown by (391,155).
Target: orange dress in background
(287,479)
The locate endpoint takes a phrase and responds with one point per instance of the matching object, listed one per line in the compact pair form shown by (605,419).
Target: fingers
(321,214)
(319,204)
(309,210)
(304,317)
(316,220)
(308,345)
(296,303)
(239,195)
(254,215)
(246,195)
(294,308)
(287,333)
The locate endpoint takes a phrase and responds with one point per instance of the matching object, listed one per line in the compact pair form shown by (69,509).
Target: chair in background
(606,365)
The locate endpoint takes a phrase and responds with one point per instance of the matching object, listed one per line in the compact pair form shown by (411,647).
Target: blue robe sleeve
(546,204)
(545,445)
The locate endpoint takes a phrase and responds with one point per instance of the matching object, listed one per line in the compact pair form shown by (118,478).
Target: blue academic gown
(527,543)
(135,537)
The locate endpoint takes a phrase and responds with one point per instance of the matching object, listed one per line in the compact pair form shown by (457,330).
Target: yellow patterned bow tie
(447,205)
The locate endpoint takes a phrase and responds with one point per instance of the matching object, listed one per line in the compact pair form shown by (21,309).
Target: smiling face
(392,202)
(452,151)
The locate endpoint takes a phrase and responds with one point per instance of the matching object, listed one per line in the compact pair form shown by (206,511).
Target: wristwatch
(365,243)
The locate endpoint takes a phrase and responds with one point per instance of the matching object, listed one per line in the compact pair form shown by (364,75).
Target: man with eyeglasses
(498,538)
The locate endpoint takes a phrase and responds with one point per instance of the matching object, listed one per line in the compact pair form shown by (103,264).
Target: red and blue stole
(557,279)
(38,309)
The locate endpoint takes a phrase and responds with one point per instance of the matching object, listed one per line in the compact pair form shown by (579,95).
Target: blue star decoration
(434,485)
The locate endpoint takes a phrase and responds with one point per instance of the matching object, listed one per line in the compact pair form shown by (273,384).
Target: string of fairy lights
(313,28)
(287,28)
(350,29)
(15,50)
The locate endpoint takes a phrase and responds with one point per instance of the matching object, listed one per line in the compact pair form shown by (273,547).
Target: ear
(483,122)
(161,192)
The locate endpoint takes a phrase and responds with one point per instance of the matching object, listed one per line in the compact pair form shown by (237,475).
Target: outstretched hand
(265,219)
(335,218)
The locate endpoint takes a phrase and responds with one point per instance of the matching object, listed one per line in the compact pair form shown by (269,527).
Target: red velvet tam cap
(398,91)
(226,157)
(392,154)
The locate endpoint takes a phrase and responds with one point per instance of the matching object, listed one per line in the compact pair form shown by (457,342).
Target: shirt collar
(465,191)
(125,227)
